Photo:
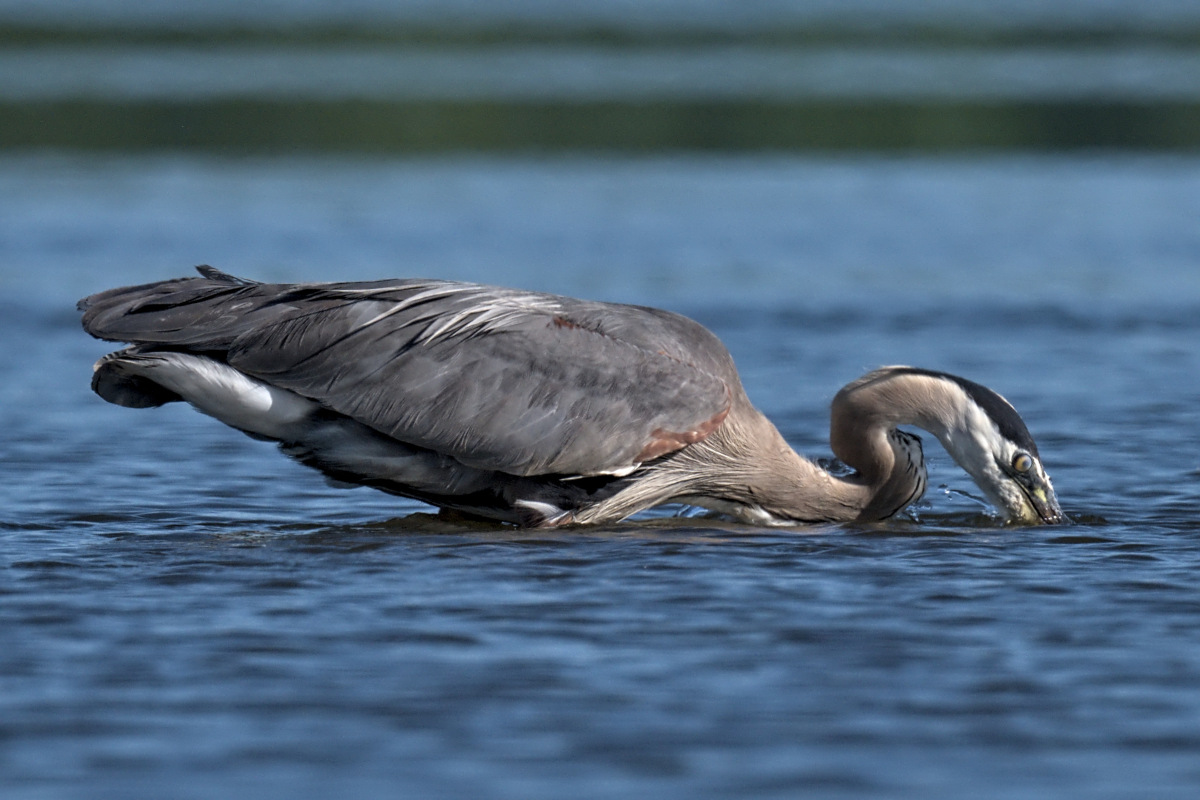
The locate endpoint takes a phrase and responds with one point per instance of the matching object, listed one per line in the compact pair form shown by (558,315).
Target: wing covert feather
(535,396)
(519,382)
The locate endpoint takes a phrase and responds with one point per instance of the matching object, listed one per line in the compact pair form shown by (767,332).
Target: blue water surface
(185,613)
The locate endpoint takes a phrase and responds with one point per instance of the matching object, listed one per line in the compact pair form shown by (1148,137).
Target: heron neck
(751,464)
(864,421)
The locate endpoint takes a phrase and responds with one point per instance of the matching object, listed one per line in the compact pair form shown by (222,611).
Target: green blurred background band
(434,126)
(1031,87)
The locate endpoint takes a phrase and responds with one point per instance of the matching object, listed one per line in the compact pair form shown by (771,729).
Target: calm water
(184,613)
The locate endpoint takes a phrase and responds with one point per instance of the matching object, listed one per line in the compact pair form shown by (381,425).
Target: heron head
(1016,481)
(988,438)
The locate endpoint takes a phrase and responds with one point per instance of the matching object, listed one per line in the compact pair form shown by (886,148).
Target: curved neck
(748,462)
(863,433)
(747,469)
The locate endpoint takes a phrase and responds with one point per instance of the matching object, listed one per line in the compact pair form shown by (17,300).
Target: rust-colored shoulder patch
(664,441)
(560,321)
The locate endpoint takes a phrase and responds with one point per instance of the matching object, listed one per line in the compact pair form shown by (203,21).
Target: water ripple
(182,607)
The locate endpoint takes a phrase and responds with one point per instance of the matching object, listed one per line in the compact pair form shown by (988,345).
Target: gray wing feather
(520,382)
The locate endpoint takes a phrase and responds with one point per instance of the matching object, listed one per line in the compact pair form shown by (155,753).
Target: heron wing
(520,382)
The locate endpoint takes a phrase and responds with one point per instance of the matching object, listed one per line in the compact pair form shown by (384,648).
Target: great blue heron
(537,409)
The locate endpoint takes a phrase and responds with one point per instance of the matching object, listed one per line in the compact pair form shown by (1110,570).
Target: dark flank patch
(1007,420)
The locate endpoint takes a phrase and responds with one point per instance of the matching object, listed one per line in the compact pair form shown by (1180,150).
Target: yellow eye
(1022,462)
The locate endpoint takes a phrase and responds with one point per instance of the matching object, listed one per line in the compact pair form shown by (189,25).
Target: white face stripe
(978,445)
